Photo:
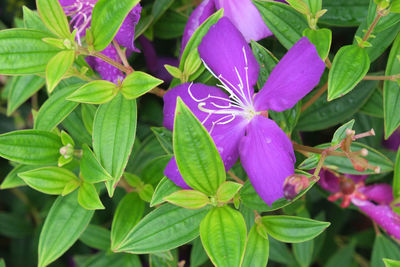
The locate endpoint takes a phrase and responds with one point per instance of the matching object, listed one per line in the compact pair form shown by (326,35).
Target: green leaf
(159,8)
(91,169)
(342,257)
(292,229)
(96,92)
(96,237)
(197,255)
(266,60)
(257,249)
(12,180)
(396,177)
(104,259)
(384,248)
(2,263)
(323,114)
(64,224)
(114,130)
(164,136)
(137,84)
(344,13)
(22,51)
(33,21)
(171,25)
(129,212)
(53,17)
(165,188)
(303,252)
(14,226)
(75,127)
(391,92)
(349,66)
(17,146)
(322,39)
(190,199)
(391,263)
(196,155)
(286,24)
(49,180)
(227,191)
(88,197)
(107,18)
(146,193)
(374,105)
(57,67)
(21,89)
(223,235)
(340,133)
(55,109)
(154,232)
(88,112)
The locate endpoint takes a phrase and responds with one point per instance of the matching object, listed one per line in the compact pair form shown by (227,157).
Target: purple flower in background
(80,12)
(374,200)
(243,14)
(393,141)
(238,122)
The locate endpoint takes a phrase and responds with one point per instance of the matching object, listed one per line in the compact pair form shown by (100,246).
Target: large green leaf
(91,169)
(107,18)
(384,248)
(165,228)
(22,51)
(22,88)
(349,66)
(53,17)
(345,13)
(128,214)
(196,155)
(55,109)
(257,249)
(58,67)
(114,132)
(64,224)
(293,229)
(285,22)
(96,237)
(391,91)
(105,259)
(223,235)
(303,252)
(31,147)
(33,21)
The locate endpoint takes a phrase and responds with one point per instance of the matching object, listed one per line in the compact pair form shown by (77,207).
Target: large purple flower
(80,12)
(238,122)
(374,200)
(243,14)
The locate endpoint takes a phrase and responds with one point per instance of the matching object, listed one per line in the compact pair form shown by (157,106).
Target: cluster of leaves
(83,144)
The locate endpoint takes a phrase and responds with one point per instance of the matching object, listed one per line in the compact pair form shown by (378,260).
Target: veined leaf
(88,197)
(96,92)
(257,249)
(164,188)
(57,67)
(137,84)
(91,169)
(53,17)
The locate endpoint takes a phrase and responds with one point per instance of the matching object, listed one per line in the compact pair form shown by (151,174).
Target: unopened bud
(67,151)
(294,184)
(350,132)
(364,152)
(347,186)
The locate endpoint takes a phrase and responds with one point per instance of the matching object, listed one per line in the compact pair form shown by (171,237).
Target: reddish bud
(294,184)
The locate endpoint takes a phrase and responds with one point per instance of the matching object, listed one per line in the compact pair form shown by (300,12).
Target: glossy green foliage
(257,249)
(223,235)
(137,84)
(190,199)
(344,13)
(58,67)
(88,197)
(91,169)
(53,17)
(322,39)
(96,237)
(96,92)
(196,155)
(165,188)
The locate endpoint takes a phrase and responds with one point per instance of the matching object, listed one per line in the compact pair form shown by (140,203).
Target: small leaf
(293,229)
(137,84)
(164,228)
(146,192)
(196,155)
(257,249)
(227,191)
(349,66)
(174,71)
(53,17)
(57,67)
(322,39)
(192,63)
(91,169)
(389,262)
(114,130)
(107,18)
(190,199)
(17,146)
(340,133)
(96,92)
(223,235)
(63,225)
(129,212)
(164,188)
(66,139)
(55,109)
(12,179)
(89,198)
(49,180)
(164,136)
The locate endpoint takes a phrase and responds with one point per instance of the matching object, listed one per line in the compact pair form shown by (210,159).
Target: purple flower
(393,142)
(374,200)
(243,14)
(238,122)
(80,12)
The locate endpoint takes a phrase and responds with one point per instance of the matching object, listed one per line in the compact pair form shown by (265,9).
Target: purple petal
(328,181)
(393,142)
(383,215)
(227,53)
(298,72)
(126,33)
(245,17)
(172,172)
(107,71)
(267,156)
(65,3)
(198,16)
(356,178)
(380,193)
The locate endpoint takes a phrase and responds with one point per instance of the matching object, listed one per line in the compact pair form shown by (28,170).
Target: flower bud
(294,184)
